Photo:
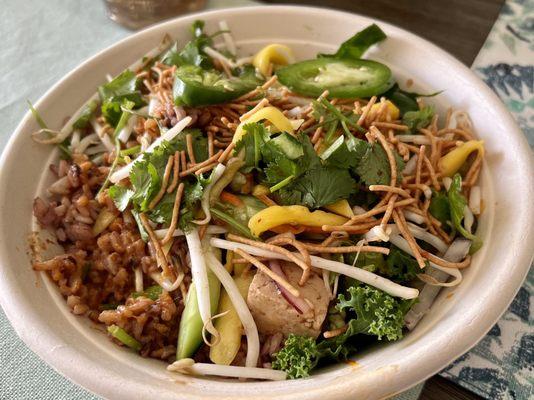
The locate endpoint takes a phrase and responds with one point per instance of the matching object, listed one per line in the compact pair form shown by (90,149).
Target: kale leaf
(298,356)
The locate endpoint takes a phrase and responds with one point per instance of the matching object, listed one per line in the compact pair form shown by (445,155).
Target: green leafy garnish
(121,196)
(400,266)
(358,44)
(193,52)
(405,101)
(345,152)
(333,119)
(416,120)
(322,186)
(439,207)
(457,203)
(377,313)
(298,357)
(374,169)
(372,312)
(114,94)
(146,177)
(86,115)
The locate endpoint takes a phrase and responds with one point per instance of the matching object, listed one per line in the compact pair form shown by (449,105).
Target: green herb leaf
(322,186)
(162,213)
(457,203)
(374,168)
(251,144)
(416,120)
(405,101)
(121,196)
(88,112)
(400,266)
(193,52)
(439,207)
(142,230)
(298,356)
(345,152)
(377,313)
(358,44)
(113,94)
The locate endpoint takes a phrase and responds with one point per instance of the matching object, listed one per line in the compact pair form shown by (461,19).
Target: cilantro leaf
(193,52)
(440,208)
(113,94)
(147,173)
(405,101)
(374,168)
(324,185)
(457,203)
(298,356)
(252,143)
(162,213)
(142,230)
(358,44)
(345,152)
(146,181)
(416,120)
(121,196)
(400,266)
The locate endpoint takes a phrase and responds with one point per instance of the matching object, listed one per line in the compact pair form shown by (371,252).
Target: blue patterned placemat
(501,366)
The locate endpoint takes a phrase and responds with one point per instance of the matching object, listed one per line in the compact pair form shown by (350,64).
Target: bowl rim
(524,254)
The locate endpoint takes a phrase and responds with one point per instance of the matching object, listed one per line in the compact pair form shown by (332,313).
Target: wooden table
(459,27)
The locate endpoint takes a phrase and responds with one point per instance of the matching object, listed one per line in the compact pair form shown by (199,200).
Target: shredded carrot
(231,198)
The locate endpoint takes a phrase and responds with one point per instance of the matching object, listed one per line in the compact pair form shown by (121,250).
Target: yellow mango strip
(451,162)
(392,108)
(272,54)
(229,325)
(271,114)
(341,207)
(278,215)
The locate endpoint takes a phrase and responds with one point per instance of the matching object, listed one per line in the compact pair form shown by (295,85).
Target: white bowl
(460,317)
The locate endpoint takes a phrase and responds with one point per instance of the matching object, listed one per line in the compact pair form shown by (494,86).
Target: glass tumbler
(136,14)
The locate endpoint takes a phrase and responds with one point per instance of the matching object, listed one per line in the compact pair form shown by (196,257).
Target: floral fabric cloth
(501,366)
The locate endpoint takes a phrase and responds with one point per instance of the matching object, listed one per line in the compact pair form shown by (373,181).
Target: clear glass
(136,14)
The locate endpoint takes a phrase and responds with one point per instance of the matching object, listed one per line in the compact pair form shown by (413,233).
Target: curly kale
(377,313)
(371,312)
(298,356)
